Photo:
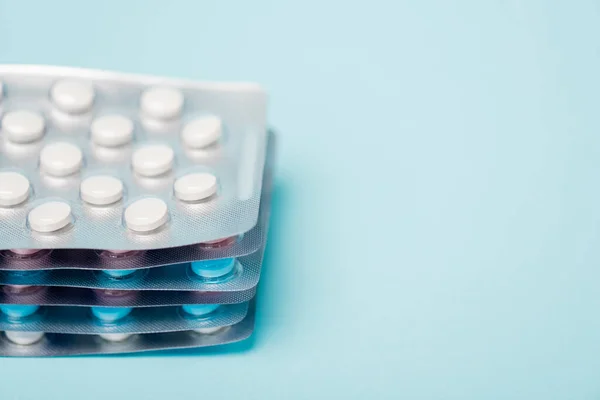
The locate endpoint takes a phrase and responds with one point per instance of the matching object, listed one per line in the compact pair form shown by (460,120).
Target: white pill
(61,159)
(24,338)
(50,216)
(14,188)
(73,97)
(208,331)
(115,337)
(101,190)
(194,187)
(153,160)
(162,103)
(23,126)
(201,132)
(146,214)
(112,130)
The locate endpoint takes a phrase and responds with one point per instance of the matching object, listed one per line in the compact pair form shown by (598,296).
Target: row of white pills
(76,97)
(143,215)
(62,159)
(28,338)
(108,130)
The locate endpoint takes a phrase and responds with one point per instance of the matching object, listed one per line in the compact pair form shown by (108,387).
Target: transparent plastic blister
(116,320)
(49,344)
(62,296)
(183,164)
(243,274)
(106,260)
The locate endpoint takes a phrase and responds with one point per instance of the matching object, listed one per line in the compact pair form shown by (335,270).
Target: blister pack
(62,296)
(40,344)
(119,320)
(231,277)
(108,161)
(42,259)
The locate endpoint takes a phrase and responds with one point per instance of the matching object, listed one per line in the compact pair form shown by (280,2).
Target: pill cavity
(73,97)
(162,103)
(25,252)
(213,268)
(112,130)
(110,314)
(201,132)
(228,241)
(153,160)
(115,337)
(114,292)
(19,310)
(146,215)
(195,187)
(198,310)
(209,331)
(50,216)
(23,126)
(118,273)
(21,289)
(14,188)
(101,190)
(24,338)
(61,159)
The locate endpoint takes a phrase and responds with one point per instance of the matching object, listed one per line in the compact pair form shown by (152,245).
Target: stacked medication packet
(133,211)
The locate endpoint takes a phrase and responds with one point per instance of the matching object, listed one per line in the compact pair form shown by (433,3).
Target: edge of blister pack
(57,345)
(87,259)
(60,296)
(239,167)
(101,320)
(180,277)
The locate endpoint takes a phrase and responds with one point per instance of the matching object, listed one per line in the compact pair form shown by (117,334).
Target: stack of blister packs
(133,211)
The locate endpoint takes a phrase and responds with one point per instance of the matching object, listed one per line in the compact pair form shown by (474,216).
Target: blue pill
(213,268)
(19,311)
(110,314)
(199,310)
(118,273)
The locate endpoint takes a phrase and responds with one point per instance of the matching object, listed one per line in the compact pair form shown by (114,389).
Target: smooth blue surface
(437,211)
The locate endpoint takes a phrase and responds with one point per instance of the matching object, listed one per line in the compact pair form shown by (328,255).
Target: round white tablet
(50,216)
(208,331)
(146,214)
(112,130)
(61,159)
(24,338)
(153,160)
(194,187)
(162,103)
(201,132)
(14,188)
(101,190)
(23,126)
(115,337)
(73,97)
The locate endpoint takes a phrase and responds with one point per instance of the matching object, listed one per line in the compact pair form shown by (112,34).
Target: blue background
(436,221)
